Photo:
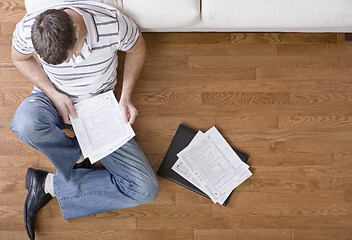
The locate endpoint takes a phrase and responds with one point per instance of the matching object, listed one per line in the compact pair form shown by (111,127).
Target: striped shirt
(94,70)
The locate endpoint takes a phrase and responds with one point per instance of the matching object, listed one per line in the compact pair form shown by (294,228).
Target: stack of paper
(99,127)
(210,164)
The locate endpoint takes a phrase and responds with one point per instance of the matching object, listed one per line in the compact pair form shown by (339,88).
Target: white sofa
(233,15)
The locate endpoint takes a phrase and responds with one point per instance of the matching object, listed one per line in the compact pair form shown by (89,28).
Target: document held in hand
(99,126)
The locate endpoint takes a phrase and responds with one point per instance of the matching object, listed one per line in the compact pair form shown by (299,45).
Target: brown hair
(53,35)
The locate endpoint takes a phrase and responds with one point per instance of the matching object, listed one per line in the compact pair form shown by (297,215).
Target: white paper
(99,127)
(210,164)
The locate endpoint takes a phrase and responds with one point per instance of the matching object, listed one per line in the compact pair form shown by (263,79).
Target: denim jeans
(127,180)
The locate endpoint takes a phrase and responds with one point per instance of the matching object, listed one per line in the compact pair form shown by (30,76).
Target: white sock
(81,159)
(49,184)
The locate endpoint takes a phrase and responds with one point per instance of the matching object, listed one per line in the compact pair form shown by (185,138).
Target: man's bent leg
(39,125)
(128,181)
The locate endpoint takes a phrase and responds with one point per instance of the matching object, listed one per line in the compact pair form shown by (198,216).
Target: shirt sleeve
(128,32)
(21,39)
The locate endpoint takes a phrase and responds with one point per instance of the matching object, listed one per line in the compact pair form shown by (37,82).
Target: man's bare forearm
(133,65)
(30,68)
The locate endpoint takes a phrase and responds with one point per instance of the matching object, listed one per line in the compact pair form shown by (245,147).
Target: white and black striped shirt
(94,71)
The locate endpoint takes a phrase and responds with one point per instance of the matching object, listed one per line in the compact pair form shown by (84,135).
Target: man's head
(53,35)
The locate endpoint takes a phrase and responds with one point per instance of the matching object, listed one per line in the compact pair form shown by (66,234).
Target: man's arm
(30,68)
(133,65)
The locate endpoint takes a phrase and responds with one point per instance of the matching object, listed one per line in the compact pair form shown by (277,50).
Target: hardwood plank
(307,74)
(10,211)
(9,235)
(246,121)
(263,234)
(183,98)
(315,122)
(244,209)
(59,225)
(205,50)
(279,196)
(301,171)
(267,62)
(322,234)
(201,83)
(341,85)
(315,147)
(245,98)
(319,209)
(12,11)
(320,98)
(14,99)
(118,234)
(152,211)
(153,80)
(1,98)
(189,223)
(7,27)
(283,38)
(301,184)
(11,224)
(187,38)
(5,57)
(6,40)
(348,196)
(169,124)
(290,159)
(191,198)
(205,234)
(343,159)
(287,135)
(298,222)
(169,62)
(241,234)
(13,199)
(326,49)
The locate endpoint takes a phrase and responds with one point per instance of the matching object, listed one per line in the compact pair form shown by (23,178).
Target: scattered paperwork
(210,164)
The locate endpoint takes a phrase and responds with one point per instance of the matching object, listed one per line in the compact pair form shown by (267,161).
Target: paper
(99,127)
(210,164)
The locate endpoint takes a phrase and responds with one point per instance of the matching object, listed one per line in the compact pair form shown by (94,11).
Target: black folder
(182,138)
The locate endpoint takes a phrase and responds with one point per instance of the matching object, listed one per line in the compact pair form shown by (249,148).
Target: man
(76,43)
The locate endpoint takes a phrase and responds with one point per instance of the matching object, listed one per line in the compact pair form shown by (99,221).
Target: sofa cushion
(149,14)
(32,5)
(267,15)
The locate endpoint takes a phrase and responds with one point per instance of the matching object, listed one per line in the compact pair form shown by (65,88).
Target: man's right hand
(64,106)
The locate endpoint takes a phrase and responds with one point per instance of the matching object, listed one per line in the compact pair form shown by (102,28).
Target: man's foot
(85,164)
(36,198)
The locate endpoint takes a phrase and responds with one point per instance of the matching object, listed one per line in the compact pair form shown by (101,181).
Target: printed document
(210,164)
(99,127)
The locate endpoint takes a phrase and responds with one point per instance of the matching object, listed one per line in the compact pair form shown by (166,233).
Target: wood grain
(283,98)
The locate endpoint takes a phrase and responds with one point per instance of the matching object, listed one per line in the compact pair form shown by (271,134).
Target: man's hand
(128,110)
(64,106)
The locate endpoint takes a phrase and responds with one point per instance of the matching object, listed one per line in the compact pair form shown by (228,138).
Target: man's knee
(143,191)
(29,121)
(152,191)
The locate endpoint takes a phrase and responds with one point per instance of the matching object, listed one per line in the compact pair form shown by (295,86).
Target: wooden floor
(285,99)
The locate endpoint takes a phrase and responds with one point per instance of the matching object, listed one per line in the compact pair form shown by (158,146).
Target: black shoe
(85,164)
(36,198)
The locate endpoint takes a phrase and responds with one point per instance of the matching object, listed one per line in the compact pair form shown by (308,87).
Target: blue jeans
(127,180)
